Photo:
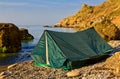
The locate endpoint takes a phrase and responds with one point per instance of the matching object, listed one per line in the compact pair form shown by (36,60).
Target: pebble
(3,76)
(11,66)
(83,78)
(73,73)
(2,73)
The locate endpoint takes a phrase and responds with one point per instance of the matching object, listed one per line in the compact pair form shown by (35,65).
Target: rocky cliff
(104,17)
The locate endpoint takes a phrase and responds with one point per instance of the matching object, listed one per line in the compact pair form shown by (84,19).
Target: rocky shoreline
(11,37)
(27,70)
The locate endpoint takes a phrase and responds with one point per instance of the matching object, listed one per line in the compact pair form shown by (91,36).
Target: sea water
(28,46)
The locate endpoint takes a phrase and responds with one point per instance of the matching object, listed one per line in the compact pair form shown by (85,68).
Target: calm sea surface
(27,47)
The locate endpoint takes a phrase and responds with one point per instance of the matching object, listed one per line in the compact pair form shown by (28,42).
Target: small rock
(83,78)
(73,73)
(10,66)
(84,75)
(3,76)
(2,73)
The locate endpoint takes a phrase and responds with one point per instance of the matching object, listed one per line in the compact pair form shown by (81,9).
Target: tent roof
(63,47)
(82,44)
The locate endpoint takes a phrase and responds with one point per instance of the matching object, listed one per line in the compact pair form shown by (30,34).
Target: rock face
(104,17)
(25,35)
(9,38)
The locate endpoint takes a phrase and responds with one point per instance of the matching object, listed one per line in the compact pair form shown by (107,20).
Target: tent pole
(47,60)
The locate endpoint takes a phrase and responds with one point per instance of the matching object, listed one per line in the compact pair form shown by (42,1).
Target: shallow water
(27,47)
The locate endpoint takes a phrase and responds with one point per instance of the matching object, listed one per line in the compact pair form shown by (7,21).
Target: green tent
(69,50)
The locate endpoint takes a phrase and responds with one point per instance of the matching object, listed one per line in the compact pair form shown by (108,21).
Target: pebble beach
(27,70)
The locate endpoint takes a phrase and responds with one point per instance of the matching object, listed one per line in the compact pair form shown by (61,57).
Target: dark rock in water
(47,26)
(9,38)
(25,35)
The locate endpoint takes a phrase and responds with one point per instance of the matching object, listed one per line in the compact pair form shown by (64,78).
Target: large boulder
(25,35)
(9,38)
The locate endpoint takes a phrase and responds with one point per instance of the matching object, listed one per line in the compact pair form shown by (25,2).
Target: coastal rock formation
(25,35)
(104,17)
(9,38)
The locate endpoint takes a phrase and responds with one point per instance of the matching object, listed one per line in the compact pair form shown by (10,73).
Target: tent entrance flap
(46,42)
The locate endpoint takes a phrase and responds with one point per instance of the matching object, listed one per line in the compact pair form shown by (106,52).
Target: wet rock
(25,35)
(47,26)
(9,38)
